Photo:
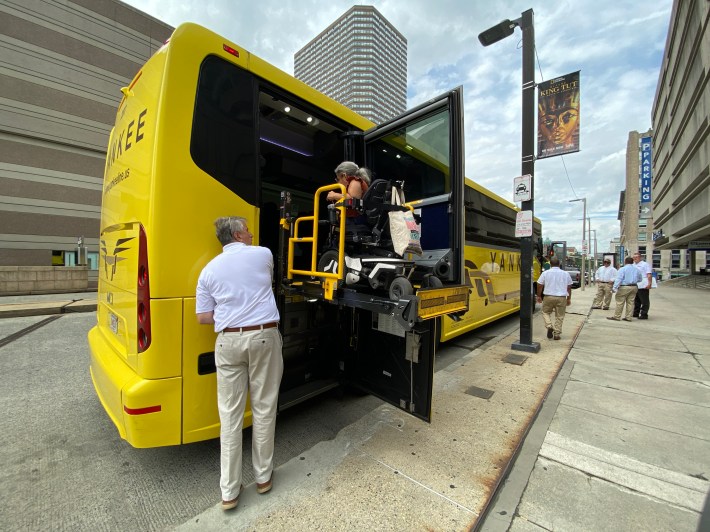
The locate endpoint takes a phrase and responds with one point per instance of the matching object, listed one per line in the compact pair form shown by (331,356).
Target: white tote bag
(404,229)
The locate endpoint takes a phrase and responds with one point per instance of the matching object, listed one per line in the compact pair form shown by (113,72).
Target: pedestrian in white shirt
(605,280)
(556,285)
(234,292)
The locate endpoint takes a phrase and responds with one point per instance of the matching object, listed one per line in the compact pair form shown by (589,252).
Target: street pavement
(606,429)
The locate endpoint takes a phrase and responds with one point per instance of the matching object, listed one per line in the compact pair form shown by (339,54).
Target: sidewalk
(624,443)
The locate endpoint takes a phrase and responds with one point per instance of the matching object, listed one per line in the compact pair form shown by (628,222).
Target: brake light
(141,411)
(143,293)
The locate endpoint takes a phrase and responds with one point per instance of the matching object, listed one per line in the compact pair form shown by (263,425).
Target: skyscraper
(359,60)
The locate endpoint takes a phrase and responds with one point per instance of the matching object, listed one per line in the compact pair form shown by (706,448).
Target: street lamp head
(578,199)
(498,32)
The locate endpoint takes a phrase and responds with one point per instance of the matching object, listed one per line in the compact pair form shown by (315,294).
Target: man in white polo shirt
(556,284)
(234,292)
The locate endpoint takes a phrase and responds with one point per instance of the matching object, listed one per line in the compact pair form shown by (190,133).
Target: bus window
(417,154)
(222,141)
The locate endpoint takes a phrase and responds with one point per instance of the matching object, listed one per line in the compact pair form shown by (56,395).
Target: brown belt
(251,327)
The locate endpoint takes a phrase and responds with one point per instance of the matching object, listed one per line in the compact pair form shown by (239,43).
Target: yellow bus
(207,129)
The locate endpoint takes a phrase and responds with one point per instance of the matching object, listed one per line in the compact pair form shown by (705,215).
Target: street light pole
(491,35)
(595,248)
(584,235)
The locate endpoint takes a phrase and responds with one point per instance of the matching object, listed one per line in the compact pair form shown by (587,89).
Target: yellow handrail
(330,280)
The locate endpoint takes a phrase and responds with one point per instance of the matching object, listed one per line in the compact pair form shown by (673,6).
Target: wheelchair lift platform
(329,281)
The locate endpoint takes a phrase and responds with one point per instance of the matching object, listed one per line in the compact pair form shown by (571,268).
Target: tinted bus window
(417,154)
(489,221)
(223,142)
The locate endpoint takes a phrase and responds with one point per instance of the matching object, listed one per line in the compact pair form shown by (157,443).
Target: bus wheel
(431,281)
(400,287)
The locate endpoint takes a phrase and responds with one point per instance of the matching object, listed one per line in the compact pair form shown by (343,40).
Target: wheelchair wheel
(400,287)
(328,262)
(431,281)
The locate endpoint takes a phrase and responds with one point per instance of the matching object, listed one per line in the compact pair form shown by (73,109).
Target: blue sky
(617,45)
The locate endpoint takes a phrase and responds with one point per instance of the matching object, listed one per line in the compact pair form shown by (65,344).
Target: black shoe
(549,332)
(605,308)
(636,315)
(643,317)
(597,308)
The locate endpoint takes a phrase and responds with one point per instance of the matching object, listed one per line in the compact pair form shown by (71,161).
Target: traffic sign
(522,188)
(523,224)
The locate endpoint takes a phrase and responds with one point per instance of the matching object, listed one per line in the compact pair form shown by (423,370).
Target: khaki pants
(603,298)
(558,305)
(247,362)
(625,295)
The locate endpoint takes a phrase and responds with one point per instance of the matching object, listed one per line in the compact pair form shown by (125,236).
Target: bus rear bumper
(147,413)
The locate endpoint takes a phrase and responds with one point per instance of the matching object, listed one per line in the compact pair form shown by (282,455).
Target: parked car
(576,277)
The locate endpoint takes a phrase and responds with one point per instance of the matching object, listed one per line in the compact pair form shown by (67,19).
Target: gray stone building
(360,60)
(673,230)
(63,64)
(681,146)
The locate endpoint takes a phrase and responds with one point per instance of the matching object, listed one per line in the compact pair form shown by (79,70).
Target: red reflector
(230,50)
(140,411)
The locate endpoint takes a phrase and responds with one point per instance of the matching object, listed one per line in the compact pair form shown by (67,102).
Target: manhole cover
(480,392)
(515,359)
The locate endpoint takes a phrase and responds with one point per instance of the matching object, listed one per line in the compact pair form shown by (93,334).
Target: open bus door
(424,149)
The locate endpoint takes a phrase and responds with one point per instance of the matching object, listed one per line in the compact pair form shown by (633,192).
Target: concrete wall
(63,64)
(42,279)
(681,118)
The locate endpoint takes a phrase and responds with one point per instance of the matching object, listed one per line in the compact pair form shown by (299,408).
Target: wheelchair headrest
(379,193)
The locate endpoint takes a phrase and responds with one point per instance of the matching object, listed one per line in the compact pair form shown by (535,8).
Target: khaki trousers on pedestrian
(249,362)
(558,305)
(625,295)
(603,297)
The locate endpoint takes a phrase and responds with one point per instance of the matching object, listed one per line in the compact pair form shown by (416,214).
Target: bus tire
(400,287)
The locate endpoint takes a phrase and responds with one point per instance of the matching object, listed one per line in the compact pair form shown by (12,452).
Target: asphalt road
(65,466)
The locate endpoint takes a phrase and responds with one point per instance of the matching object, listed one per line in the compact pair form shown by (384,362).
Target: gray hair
(364,174)
(346,167)
(554,261)
(226,226)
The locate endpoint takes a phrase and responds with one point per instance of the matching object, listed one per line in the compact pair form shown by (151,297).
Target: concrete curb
(45,308)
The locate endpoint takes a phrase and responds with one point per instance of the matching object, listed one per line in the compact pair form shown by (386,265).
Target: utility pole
(490,36)
(584,235)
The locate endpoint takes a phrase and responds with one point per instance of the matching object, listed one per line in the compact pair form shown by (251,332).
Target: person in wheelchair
(370,259)
(356,182)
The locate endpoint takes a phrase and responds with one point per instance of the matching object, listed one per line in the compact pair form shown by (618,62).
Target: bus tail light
(143,294)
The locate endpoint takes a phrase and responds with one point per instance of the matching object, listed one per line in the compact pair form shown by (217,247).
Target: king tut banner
(558,116)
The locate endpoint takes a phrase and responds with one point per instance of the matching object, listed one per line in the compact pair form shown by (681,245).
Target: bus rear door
(424,149)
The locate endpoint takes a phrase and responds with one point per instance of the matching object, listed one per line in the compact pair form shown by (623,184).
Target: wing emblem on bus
(112,258)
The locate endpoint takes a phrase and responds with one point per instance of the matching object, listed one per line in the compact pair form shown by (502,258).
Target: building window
(642,252)
(675,258)
(92,258)
(687,259)
(642,237)
(656,259)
